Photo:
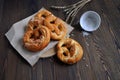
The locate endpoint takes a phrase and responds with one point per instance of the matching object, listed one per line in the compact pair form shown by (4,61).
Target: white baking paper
(15,36)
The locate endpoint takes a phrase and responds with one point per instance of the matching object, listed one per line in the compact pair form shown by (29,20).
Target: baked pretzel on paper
(42,14)
(37,39)
(41,28)
(56,26)
(69,51)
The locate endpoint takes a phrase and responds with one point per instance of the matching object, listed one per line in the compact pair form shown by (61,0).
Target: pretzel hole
(65,54)
(63,45)
(69,48)
(32,36)
(66,45)
(52,22)
(34,27)
(53,31)
(43,16)
(40,33)
(59,27)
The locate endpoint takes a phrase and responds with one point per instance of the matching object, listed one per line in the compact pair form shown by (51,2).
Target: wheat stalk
(72,10)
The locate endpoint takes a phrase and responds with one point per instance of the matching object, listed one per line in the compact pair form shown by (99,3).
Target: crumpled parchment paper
(15,36)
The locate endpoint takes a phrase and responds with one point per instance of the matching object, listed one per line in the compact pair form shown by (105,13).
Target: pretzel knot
(69,51)
(42,14)
(57,27)
(33,24)
(37,39)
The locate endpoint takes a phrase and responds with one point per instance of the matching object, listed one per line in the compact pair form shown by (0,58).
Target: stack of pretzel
(45,26)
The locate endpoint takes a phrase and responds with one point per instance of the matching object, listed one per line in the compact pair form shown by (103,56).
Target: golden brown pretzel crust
(56,26)
(69,51)
(37,39)
(38,19)
(34,23)
(41,28)
(43,14)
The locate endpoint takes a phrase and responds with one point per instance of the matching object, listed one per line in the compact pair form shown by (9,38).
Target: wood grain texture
(101,60)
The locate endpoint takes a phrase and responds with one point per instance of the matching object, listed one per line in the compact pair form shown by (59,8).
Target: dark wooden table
(101,60)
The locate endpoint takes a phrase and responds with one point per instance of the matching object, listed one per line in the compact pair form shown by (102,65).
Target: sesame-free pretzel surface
(69,51)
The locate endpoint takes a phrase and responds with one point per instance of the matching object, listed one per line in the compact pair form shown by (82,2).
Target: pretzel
(69,51)
(43,14)
(37,39)
(34,23)
(38,19)
(56,26)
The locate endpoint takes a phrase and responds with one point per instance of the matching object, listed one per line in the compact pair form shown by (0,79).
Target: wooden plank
(101,48)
